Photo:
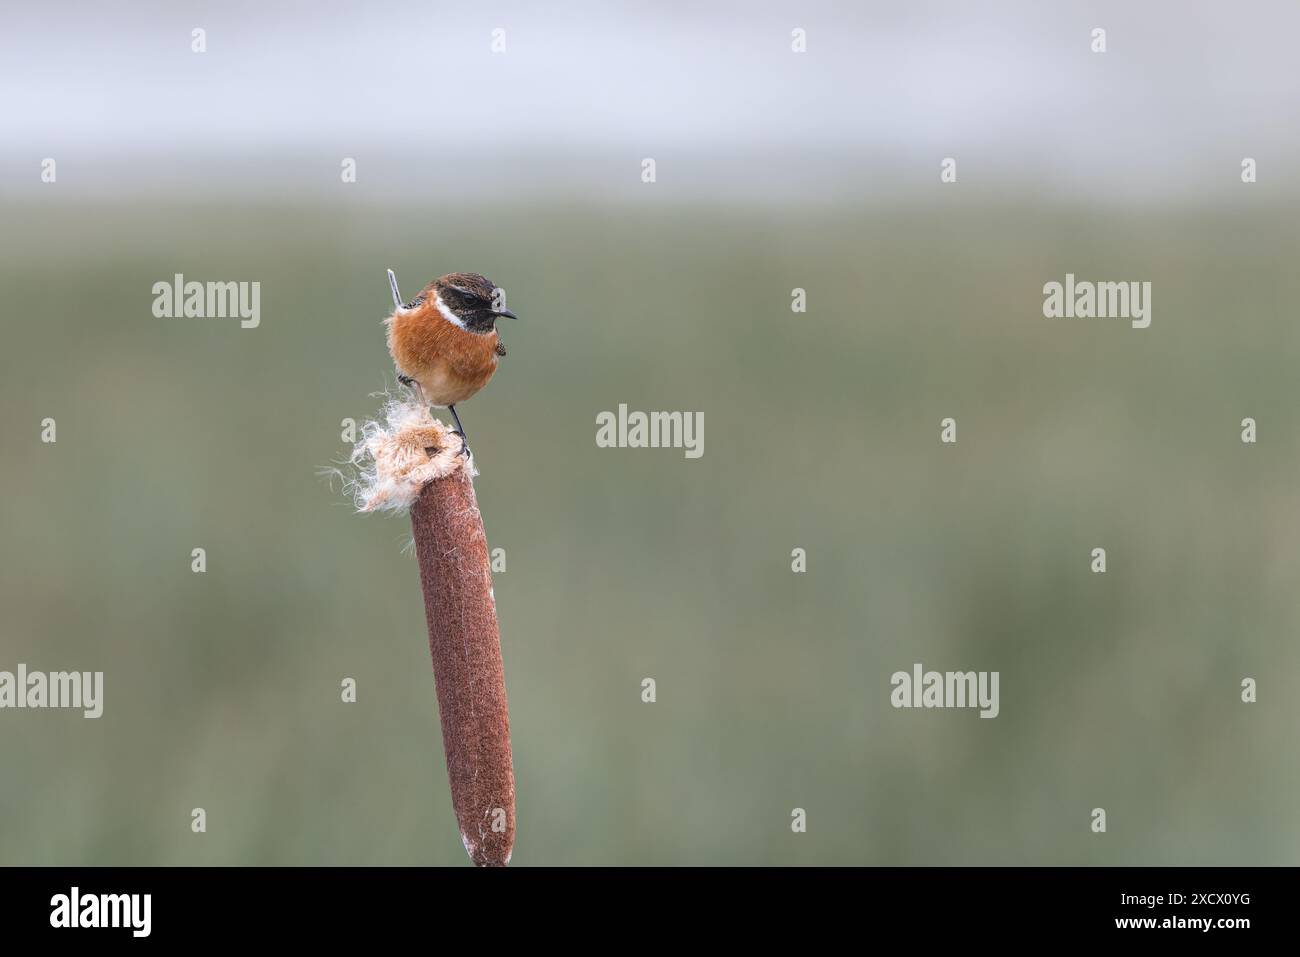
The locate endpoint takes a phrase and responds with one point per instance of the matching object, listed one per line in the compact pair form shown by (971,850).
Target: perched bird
(444,341)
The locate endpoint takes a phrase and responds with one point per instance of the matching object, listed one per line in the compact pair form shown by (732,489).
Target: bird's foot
(464,445)
(406,380)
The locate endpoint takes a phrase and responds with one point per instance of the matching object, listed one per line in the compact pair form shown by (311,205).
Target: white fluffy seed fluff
(397,454)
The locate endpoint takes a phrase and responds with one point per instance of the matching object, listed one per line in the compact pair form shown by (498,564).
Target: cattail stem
(407,459)
(466,647)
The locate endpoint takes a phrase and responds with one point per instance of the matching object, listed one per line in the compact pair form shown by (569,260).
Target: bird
(444,342)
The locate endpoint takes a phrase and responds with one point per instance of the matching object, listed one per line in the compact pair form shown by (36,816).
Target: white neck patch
(447,314)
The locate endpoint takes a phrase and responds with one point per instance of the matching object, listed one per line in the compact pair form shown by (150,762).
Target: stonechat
(444,342)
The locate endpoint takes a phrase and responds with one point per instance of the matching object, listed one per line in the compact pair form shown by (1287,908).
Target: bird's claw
(464,445)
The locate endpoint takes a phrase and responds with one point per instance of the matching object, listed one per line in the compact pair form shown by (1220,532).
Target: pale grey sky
(1184,88)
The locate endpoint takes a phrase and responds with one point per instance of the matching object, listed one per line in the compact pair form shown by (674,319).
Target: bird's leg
(414,386)
(460,430)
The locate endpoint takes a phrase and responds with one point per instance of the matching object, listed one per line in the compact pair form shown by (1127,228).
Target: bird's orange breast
(449,362)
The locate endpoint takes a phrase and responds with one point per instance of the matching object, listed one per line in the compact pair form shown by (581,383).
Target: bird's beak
(507,313)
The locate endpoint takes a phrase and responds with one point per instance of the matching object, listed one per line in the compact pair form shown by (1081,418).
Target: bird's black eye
(469,294)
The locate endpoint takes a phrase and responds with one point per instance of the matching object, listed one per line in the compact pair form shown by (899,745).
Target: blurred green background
(222,690)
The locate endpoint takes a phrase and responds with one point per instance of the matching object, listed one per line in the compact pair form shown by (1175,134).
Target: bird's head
(470,301)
